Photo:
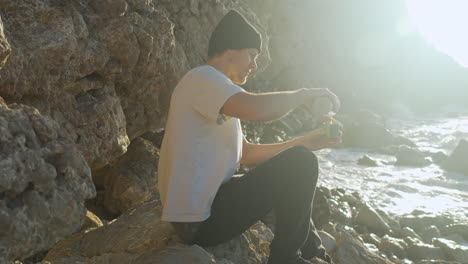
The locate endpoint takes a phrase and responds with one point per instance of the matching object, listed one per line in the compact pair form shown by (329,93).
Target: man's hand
(317,139)
(310,94)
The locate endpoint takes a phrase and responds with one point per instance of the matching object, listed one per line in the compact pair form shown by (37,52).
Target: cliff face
(79,80)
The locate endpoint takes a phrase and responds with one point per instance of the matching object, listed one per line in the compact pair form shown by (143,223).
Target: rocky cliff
(85,83)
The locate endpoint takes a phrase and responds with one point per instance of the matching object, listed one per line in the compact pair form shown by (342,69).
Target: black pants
(285,183)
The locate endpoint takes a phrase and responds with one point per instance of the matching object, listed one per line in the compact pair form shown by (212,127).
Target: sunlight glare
(443,23)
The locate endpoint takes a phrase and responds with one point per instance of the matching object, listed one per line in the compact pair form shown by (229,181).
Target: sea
(401,190)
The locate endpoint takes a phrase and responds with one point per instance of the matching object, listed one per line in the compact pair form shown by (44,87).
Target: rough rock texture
(352,251)
(130,180)
(172,255)
(5,48)
(457,160)
(91,221)
(103,70)
(139,234)
(369,218)
(44,182)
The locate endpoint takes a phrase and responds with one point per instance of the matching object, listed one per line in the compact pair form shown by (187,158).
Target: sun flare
(443,23)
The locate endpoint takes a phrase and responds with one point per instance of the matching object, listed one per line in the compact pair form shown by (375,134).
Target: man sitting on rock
(203,145)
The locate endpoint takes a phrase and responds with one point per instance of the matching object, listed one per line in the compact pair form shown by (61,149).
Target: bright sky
(444,23)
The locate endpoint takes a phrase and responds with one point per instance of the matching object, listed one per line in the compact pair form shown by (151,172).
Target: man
(203,145)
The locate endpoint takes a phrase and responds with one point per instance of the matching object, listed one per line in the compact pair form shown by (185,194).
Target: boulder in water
(369,218)
(457,161)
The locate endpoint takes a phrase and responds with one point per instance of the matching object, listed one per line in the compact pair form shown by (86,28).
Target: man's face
(242,63)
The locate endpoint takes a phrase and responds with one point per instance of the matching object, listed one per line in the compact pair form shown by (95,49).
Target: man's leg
(286,183)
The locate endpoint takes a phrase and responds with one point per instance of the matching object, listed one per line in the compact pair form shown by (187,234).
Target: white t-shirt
(201,148)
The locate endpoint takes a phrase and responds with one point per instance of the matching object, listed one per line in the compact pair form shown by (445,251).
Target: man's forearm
(271,106)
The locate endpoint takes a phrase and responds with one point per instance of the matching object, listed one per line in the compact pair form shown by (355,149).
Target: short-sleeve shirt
(201,148)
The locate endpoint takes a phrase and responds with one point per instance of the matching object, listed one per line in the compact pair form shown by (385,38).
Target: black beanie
(233,32)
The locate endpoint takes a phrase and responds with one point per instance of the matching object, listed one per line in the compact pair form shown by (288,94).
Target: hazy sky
(443,23)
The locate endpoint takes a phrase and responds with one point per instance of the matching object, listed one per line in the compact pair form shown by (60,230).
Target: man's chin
(240,81)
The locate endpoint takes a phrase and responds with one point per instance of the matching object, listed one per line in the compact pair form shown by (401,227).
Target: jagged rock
(437,262)
(420,222)
(452,250)
(91,221)
(5,48)
(407,156)
(425,251)
(179,254)
(367,161)
(429,232)
(371,239)
(104,70)
(457,160)
(367,130)
(369,218)
(408,232)
(139,233)
(461,229)
(131,179)
(393,246)
(44,182)
(350,250)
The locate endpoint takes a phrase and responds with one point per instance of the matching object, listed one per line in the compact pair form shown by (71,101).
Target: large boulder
(139,233)
(130,180)
(104,70)
(457,160)
(44,182)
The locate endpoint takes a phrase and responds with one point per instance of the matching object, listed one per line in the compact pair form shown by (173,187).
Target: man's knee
(304,162)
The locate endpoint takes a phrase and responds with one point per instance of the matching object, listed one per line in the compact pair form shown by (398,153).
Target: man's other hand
(317,139)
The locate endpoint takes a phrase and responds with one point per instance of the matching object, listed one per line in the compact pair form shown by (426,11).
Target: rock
(351,251)
(328,241)
(437,262)
(5,48)
(407,156)
(104,70)
(371,238)
(178,254)
(461,229)
(91,221)
(408,232)
(138,235)
(420,222)
(429,232)
(457,160)
(367,161)
(146,232)
(452,249)
(393,246)
(44,182)
(424,251)
(131,179)
(369,218)
(367,130)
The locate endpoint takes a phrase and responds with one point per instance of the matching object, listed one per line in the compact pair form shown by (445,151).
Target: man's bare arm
(271,106)
(253,154)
